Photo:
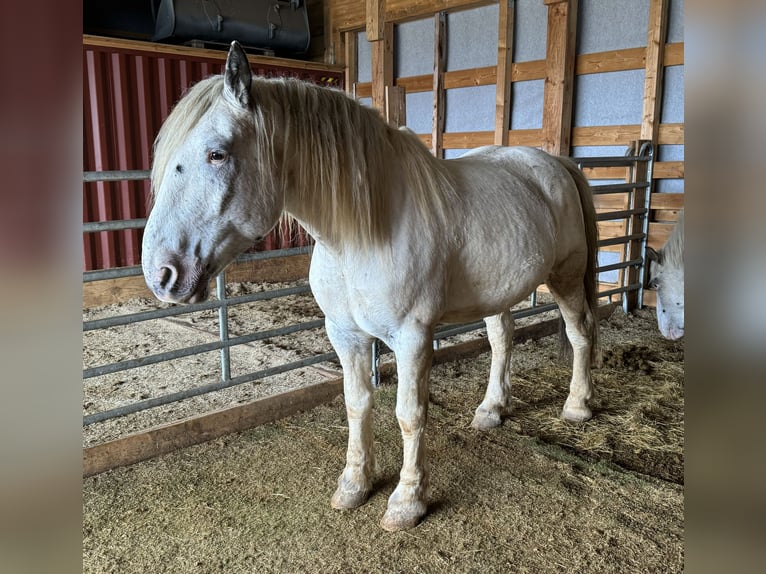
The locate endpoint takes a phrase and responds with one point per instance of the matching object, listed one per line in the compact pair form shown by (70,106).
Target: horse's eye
(216,156)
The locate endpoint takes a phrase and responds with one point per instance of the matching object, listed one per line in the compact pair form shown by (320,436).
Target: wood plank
(611,202)
(277,270)
(668,170)
(439,63)
(351,14)
(653,78)
(168,50)
(352,61)
(673,54)
(666,201)
(532,70)
(396,106)
(596,173)
(382,66)
(671,134)
(610,61)
(167,438)
(604,135)
(375,18)
(467,140)
(559,75)
(504,69)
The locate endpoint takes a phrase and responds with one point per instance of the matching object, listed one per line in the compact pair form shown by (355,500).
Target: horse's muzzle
(173,282)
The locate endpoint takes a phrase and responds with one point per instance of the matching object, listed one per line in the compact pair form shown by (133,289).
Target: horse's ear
(237,77)
(653,255)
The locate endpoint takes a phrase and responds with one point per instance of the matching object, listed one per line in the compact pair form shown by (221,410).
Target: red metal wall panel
(129,89)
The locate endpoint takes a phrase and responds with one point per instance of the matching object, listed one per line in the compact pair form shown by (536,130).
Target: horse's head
(668,279)
(213,198)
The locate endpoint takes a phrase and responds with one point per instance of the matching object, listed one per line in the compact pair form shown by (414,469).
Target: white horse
(404,241)
(666,275)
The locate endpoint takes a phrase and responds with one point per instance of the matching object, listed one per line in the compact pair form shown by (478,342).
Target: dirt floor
(535,495)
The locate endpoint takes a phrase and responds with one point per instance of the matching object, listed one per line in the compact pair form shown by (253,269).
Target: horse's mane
(673,250)
(337,158)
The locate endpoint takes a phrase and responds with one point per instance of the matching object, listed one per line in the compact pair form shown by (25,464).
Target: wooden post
(382,66)
(504,67)
(559,76)
(437,123)
(375,21)
(655,46)
(352,61)
(396,105)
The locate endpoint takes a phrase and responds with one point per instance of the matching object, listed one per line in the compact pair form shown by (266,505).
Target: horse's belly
(476,293)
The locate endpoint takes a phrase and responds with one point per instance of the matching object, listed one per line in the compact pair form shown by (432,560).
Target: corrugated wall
(129,88)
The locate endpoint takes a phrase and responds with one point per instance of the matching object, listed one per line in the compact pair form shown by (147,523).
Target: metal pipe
(617,187)
(117,225)
(196,307)
(116,175)
(621,265)
(623,214)
(620,240)
(197,349)
(609,161)
(223,324)
(136,270)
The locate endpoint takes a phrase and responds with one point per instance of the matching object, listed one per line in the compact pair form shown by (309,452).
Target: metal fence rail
(223,303)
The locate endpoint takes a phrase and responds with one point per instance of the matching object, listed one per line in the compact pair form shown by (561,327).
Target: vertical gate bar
(648,149)
(635,248)
(375,372)
(223,324)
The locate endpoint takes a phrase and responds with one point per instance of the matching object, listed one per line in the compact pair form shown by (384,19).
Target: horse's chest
(374,297)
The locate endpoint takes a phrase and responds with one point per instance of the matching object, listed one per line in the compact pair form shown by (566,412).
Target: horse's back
(520,218)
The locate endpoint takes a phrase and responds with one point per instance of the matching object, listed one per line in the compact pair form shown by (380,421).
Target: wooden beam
(559,76)
(352,61)
(195,430)
(375,19)
(186,52)
(382,66)
(396,106)
(504,71)
(653,79)
(440,49)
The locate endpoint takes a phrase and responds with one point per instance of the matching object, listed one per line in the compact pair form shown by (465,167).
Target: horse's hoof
(576,414)
(485,420)
(346,499)
(403,518)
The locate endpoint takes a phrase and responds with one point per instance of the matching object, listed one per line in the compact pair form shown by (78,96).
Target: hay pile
(535,495)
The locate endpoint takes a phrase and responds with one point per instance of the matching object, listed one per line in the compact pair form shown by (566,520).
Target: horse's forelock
(181,120)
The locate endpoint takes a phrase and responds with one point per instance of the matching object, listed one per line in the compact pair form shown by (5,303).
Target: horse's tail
(590,281)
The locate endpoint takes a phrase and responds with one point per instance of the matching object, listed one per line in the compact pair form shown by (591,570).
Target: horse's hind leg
(355,352)
(497,399)
(580,330)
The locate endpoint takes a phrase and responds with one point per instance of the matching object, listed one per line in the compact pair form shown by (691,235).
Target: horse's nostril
(166,276)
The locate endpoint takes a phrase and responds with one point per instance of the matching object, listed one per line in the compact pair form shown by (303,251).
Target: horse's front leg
(354,349)
(408,503)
